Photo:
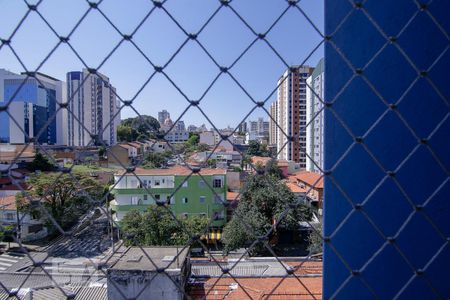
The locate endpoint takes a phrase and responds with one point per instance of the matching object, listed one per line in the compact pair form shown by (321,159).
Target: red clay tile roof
(175,170)
(306,267)
(257,288)
(295,188)
(232,196)
(260,160)
(310,178)
(264,160)
(8,202)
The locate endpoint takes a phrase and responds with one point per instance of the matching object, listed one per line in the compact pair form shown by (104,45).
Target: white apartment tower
(315,119)
(290,114)
(93,109)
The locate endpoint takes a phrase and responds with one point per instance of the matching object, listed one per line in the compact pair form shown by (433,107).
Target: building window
(217,183)
(157,182)
(157,197)
(185,184)
(145,197)
(184,200)
(172,200)
(201,183)
(9,216)
(202,199)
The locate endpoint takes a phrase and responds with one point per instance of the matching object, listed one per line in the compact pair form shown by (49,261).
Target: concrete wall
(131,283)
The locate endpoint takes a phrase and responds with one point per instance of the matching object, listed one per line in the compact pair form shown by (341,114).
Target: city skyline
(128,70)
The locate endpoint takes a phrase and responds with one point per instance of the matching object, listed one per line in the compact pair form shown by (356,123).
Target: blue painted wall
(387,150)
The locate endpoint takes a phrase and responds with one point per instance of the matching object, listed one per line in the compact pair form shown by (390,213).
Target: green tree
(273,169)
(65,197)
(157,159)
(138,128)
(102,151)
(194,139)
(41,163)
(125,133)
(315,239)
(255,148)
(263,201)
(7,234)
(157,227)
(202,147)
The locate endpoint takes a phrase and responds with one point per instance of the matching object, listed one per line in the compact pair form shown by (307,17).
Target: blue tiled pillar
(387,150)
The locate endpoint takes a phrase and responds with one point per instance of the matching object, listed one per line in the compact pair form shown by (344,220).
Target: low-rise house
(18,154)
(212,138)
(31,228)
(122,154)
(157,146)
(310,183)
(186,195)
(262,161)
(157,273)
(12,188)
(224,159)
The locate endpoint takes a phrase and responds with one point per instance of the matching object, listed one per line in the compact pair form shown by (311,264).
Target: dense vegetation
(263,201)
(66,197)
(137,129)
(157,227)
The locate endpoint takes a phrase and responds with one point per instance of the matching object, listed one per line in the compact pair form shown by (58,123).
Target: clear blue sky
(192,70)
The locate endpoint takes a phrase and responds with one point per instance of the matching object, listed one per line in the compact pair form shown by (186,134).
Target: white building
(315,119)
(33,113)
(94,109)
(291,115)
(257,131)
(31,228)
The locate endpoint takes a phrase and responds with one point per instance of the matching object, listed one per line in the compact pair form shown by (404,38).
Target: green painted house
(186,195)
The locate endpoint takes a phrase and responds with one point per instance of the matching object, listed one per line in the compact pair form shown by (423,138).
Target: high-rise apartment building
(162,116)
(290,110)
(273,129)
(315,119)
(93,109)
(33,113)
(259,127)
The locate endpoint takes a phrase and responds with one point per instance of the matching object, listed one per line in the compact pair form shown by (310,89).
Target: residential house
(122,155)
(31,228)
(157,146)
(310,183)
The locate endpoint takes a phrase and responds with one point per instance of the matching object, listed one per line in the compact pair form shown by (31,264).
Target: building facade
(315,119)
(93,109)
(32,109)
(291,115)
(273,129)
(162,116)
(195,197)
